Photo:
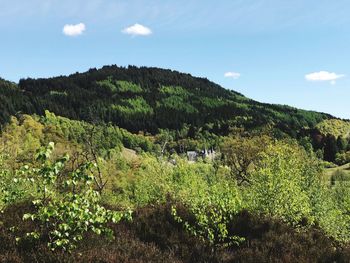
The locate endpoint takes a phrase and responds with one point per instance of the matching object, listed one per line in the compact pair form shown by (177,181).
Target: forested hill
(148,99)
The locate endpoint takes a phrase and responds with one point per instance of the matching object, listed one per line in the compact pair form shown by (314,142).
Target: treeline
(12,101)
(149,99)
(330,140)
(24,134)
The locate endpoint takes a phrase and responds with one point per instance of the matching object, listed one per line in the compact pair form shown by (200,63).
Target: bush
(67,206)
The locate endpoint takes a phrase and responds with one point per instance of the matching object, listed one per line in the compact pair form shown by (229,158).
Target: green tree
(278,184)
(242,153)
(330,148)
(342,143)
(67,206)
(213,211)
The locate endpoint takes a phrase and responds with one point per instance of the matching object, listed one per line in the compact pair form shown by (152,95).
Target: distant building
(192,156)
(209,154)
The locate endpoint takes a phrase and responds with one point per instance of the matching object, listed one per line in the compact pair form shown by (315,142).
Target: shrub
(67,206)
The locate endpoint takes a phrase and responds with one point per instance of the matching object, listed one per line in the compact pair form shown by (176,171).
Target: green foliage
(174,91)
(58,93)
(340,176)
(106,137)
(279,184)
(216,103)
(133,108)
(342,158)
(20,139)
(212,213)
(341,192)
(93,95)
(334,127)
(330,215)
(188,114)
(119,86)
(330,148)
(242,154)
(10,188)
(125,86)
(176,103)
(107,84)
(213,201)
(170,113)
(286,185)
(67,206)
(12,100)
(152,183)
(277,170)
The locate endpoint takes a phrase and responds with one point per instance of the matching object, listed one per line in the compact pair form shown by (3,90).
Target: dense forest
(95,167)
(149,99)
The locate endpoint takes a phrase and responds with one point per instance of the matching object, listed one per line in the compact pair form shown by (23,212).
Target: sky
(276,51)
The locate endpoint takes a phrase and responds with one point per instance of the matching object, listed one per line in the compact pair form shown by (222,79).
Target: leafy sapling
(67,205)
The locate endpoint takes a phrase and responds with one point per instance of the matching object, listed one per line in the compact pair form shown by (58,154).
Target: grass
(331,171)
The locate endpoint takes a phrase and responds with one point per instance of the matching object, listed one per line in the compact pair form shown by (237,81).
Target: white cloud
(137,30)
(324,76)
(74,30)
(234,75)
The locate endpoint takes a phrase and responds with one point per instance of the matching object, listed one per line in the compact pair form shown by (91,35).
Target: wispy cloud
(324,76)
(137,30)
(74,30)
(233,75)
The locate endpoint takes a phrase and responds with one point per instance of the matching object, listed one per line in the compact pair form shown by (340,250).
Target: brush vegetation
(94,168)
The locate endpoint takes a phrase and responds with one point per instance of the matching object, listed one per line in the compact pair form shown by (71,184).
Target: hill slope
(148,99)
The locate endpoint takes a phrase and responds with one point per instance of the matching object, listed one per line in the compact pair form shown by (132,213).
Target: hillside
(156,209)
(94,167)
(148,99)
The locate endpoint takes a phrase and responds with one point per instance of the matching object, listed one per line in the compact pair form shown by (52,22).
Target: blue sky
(278,51)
